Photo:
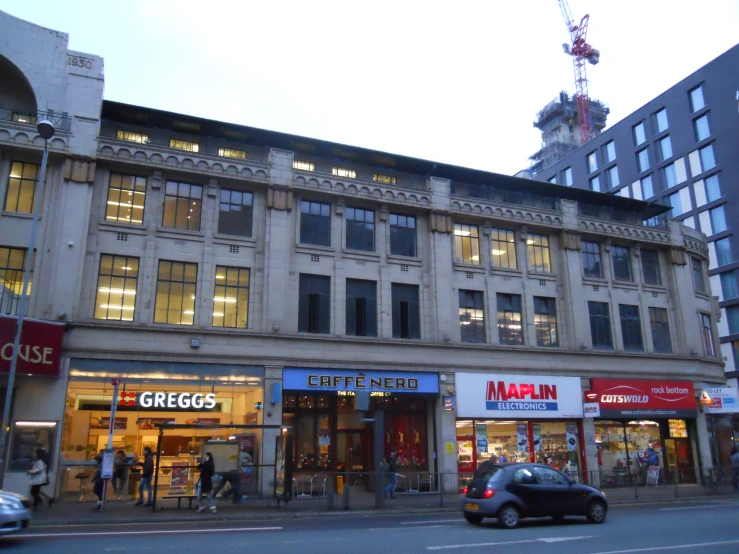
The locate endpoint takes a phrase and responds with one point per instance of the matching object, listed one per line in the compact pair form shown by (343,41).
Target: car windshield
(487,470)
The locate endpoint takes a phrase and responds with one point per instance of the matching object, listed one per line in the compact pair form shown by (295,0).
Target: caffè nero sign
(347,382)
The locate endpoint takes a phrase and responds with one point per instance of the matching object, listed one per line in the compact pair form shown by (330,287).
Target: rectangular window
(231,297)
(640,133)
(552,179)
(642,160)
(732,319)
(22,187)
(315,223)
(707,331)
(664,149)
(650,267)
(503,252)
(184,145)
(660,330)
(592,161)
(724,255)
(361,308)
(701,128)
(360,229)
(545,321)
(12,270)
(631,328)
(677,207)
(232,153)
(698,280)
(696,99)
(303,166)
(314,304)
(537,247)
(713,188)
(660,119)
(471,316)
(403,235)
(182,206)
(595,183)
(600,325)
(387,179)
(466,244)
(621,256)
(567,176)
(609,152)
(406,311)
(670,176)
(510,322)
(116,292)
(344,172)
(126,199)
(592,265)
(612,177)
(131,136)
(729,285)
(708,160)
(235,212)
(175,297)
(647,187)
(718,219)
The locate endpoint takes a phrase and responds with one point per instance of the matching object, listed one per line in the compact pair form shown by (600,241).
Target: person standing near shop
(97,481)
(392,467)
(120,470)
(38,477)
(207,469)
(147,471)
(734,459)
(47,460)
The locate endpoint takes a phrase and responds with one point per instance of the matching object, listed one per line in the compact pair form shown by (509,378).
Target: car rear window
(487,471)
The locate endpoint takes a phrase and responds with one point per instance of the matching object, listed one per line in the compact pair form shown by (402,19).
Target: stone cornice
(359,188)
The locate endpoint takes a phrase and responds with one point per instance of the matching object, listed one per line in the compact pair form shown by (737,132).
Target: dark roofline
(150,117)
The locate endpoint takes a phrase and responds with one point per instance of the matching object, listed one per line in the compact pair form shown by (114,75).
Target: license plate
(472,507)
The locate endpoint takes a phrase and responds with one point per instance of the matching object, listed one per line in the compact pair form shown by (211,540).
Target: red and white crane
(581,52)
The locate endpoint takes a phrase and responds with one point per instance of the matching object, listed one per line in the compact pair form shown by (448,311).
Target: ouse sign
(40,351)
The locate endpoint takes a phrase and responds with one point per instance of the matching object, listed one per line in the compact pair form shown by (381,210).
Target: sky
(454,82)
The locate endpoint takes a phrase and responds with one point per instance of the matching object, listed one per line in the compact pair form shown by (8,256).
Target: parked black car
(512,491)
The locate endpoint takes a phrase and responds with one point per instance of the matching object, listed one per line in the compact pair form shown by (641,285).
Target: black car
(512,491)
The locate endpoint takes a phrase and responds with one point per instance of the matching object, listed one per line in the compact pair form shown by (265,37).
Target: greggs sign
(643,398)
(40,351)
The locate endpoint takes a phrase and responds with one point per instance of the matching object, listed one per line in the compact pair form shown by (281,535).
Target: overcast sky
(457,82)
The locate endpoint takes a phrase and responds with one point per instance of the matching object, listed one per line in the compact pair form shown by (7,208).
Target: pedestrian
(392,467)
(147,471)
(37,476)
(207,469)
(97,481)
(47,460)
(229,477)
(503,458)
(734,459)
(120,472)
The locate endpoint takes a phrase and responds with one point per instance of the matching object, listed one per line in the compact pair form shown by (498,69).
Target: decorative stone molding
(212,188)
(677,256)
(523,214)
(441,221)
(384,212)
(280,197)
(571,240)
(80,169)
(696,246)
(363,189)
(622,230)
(340,205)
(156,180)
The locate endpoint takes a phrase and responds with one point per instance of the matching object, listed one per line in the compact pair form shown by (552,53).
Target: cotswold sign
(40,351)
(643,398)
(345,382)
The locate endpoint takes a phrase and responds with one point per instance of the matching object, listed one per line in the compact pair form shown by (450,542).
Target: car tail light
(488,493)
(464,491)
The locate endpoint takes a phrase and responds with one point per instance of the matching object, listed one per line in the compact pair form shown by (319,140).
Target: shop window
(503,252)
(116,291)
(12,270)
(631,328)
(314,304)
(466,244)
(621,257)
(231,297)
(660,330)
(650,267)
(707,332)
(510,323)
(26,437)
(698,279)
(126,199)
(622,450)
(403,235)
(315,223)
(22,188)
(182,206)
(406,311)
(537,247)
(235,211)
(545,321)
(360,229)
(361,308)
(175,297)
(592,265)
(472,316)
(600,325)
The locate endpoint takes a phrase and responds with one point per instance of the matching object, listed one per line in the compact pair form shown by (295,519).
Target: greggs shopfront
(519,418)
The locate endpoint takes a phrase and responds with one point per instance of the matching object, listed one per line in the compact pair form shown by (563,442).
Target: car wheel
(509,516)
(474,519)
(596,511)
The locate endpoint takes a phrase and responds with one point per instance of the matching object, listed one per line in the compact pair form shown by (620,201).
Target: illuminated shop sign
(40,350)
(173,400)
(347,383)
(643,398)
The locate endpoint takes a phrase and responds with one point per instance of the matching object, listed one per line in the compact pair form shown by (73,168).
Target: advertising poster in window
(571,437)
(537,437)
(180,476)
(482,438)
(522,440)
(121,423)
(247,454)
(26,436)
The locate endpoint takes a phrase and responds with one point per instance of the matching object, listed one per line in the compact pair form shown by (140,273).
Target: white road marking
(149,532)
(457,520)
(691,507)
(673,547)
(529,541)
(417,527)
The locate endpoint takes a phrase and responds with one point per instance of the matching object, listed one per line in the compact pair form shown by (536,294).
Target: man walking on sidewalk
(147,472)
(392,467)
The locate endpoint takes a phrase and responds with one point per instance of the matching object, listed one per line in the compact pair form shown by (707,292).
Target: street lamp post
(46,130)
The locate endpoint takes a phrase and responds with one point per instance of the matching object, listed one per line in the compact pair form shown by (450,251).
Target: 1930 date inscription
(77,61)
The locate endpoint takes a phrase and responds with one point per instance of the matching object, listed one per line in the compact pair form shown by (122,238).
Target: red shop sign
(40,351)
(639,398)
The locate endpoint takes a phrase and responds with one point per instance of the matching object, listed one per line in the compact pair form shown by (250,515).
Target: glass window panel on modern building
(592,265)
(660,119)
(724,255)
(647,187)
(182,206)
(315,223)
(466,244)
(621,256)
(696,99)
(732,319)
(670,176)
(537,248)
(713,188)
(403,235)
(701,128)
(631,328)
(126,199)
(609,152)
(545,321)
(718,219)
(673,200)
(175,296)
(361,308)
(116,290)
(660,330)
(640,134)
(12,269)
(595,183)
(664,149)
(612,178)
(406,311)
(707,157)
(698,279)
(729,286)
(600,325)
(707,332)
(592,162)
(503,250)
(22,187)
(235,211)
(567,176)
(471,316)
(231,297)
(314,304)
(642,160)
(360,229)
(510,321)
(650,267)
(552,179)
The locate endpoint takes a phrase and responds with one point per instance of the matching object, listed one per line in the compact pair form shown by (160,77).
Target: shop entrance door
(352,453)
(678,460)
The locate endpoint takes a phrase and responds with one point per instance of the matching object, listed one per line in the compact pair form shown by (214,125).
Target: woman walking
(38,477)
(207,469)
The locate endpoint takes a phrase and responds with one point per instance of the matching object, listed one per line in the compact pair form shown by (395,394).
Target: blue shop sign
(340,380)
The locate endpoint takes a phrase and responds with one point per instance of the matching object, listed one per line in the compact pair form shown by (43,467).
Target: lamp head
(45,129)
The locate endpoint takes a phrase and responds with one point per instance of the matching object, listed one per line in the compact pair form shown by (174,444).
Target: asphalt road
(688,527)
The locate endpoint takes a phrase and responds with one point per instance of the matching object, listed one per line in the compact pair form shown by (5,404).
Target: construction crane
(581,52)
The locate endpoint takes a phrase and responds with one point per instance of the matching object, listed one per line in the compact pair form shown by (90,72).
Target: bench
(180,498)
